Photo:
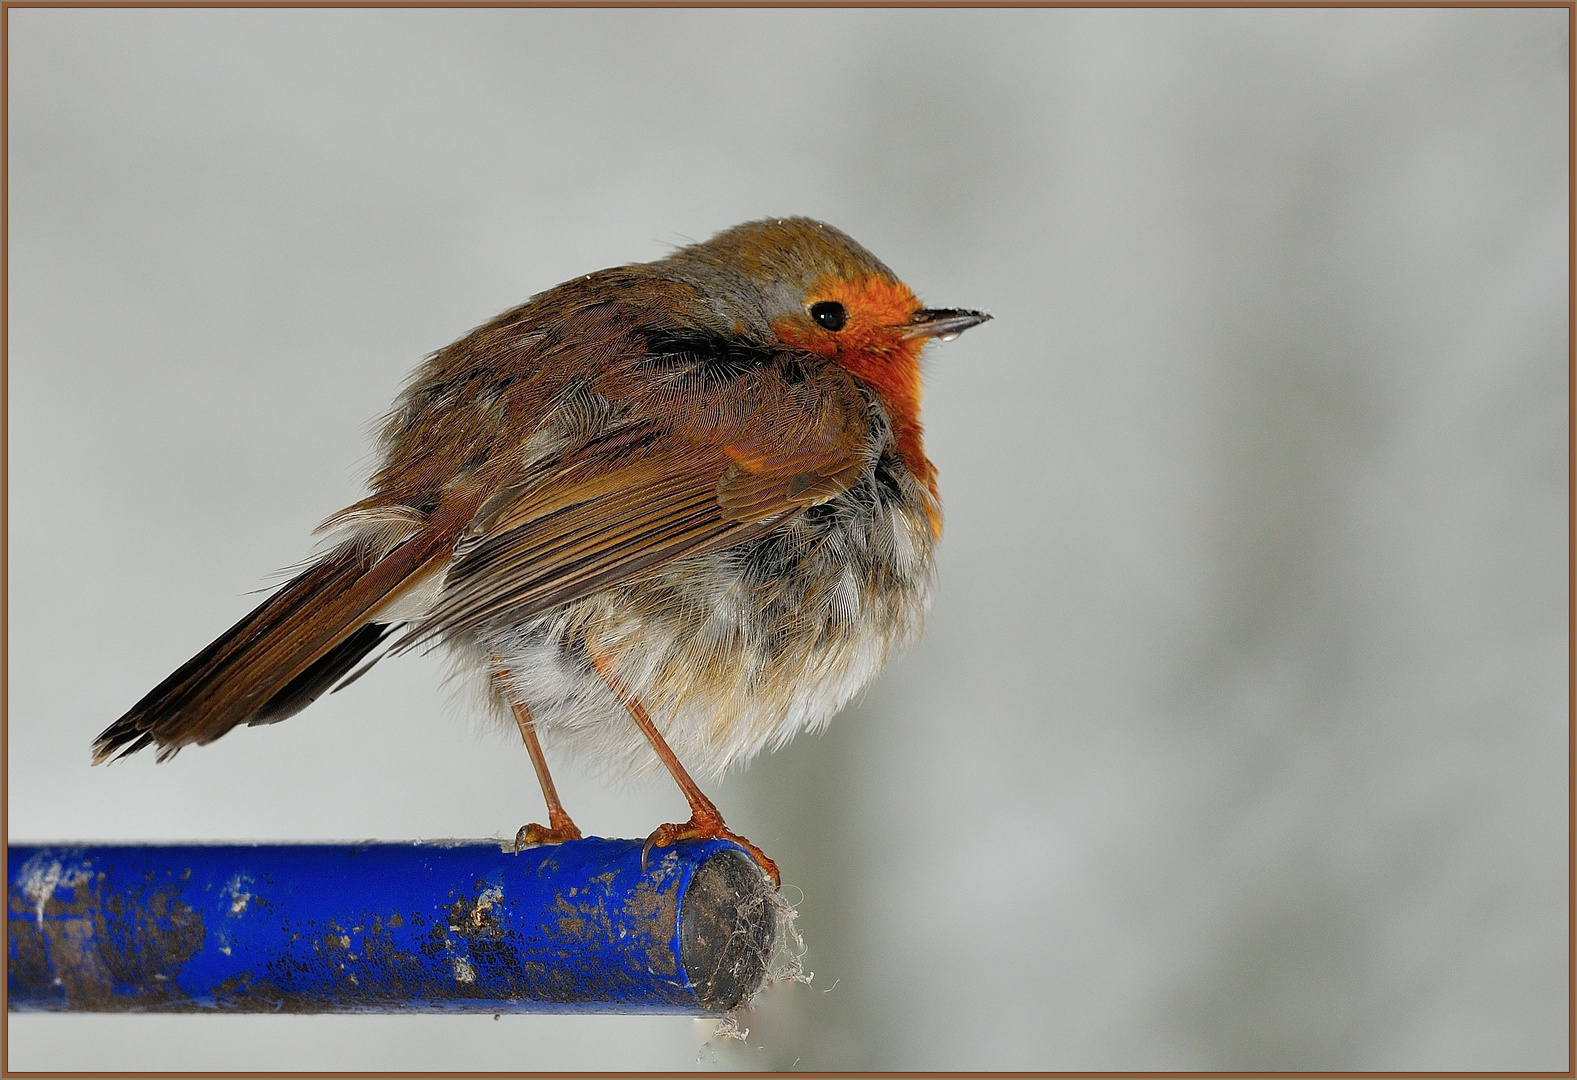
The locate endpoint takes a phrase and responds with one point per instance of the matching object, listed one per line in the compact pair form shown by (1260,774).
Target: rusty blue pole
(386,927)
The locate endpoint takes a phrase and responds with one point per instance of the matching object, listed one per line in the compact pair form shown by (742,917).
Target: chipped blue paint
(376,927)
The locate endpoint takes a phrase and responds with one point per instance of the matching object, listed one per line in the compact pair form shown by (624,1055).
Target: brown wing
(733,466)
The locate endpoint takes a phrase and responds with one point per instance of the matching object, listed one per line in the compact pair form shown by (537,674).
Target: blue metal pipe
(464,926)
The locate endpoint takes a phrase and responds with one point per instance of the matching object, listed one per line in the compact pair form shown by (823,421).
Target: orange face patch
(877,310)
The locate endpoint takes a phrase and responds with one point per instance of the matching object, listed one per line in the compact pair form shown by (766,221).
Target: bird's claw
(707,829)
(534,835)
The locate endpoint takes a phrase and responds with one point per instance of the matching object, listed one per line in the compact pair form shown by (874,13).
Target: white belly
(730,653)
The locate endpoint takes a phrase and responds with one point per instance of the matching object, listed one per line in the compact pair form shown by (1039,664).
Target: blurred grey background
(1239,738)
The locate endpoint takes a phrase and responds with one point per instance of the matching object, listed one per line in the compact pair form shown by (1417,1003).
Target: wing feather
(624,505)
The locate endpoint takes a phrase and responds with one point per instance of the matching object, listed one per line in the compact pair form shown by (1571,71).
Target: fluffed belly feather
(730,653)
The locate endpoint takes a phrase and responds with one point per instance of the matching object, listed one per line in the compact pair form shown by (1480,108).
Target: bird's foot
(708,827)
(534,835)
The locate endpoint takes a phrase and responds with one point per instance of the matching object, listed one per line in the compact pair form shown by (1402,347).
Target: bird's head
(807,285)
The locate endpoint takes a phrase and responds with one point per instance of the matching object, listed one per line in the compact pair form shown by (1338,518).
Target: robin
(692,491)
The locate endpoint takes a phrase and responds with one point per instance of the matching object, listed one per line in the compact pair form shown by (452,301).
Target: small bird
(690,493)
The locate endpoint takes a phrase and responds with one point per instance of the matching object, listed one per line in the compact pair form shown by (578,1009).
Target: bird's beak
(942,323)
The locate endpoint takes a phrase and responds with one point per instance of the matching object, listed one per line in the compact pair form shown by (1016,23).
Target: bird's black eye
(829,314)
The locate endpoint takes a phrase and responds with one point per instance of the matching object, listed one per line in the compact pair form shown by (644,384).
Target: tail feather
(165,714)
(287,652)
(325,671)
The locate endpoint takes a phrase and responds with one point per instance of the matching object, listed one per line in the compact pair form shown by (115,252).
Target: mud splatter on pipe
(458,926)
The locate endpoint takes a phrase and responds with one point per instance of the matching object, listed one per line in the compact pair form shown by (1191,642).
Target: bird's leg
(560,828)
(705,822)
